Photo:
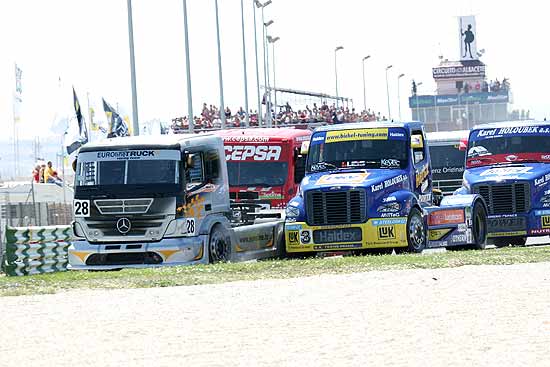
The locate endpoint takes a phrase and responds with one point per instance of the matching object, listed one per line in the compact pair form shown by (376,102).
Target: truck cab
(508,164)
(155,201)
(265,165)
(447,155)
(369,186)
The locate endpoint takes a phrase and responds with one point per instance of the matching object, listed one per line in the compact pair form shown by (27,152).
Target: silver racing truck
(155,201)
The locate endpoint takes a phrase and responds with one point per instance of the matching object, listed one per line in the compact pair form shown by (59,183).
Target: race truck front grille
(138,226)
(506,198)
(123,206)
(336,207)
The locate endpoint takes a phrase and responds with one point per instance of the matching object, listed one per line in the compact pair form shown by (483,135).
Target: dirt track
(483,315)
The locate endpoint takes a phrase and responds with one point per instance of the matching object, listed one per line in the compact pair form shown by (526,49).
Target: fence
(36,250)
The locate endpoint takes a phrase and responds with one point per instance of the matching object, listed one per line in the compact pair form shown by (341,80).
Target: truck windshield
(257,173)
(508,149)
(447,161)
(158,175)
(366,150)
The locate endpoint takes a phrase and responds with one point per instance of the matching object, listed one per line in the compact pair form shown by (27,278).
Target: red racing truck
(265,165)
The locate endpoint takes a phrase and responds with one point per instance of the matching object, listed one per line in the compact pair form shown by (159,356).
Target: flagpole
(89,117)
(135,122)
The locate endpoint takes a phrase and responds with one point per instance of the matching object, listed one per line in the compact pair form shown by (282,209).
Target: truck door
(421,165)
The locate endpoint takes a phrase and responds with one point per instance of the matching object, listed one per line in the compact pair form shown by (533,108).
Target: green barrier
(36,250)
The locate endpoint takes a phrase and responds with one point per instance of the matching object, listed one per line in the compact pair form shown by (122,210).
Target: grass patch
(271,269)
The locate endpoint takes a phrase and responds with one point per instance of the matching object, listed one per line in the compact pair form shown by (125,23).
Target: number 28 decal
(190,227)
(81,208)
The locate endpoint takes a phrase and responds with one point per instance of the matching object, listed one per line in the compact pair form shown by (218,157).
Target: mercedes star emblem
(123,225)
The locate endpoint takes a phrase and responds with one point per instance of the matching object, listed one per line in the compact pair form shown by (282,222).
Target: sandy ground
(469,316)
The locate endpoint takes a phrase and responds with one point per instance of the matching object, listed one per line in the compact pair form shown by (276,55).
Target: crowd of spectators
(43,173)
(491,86)
(286,115)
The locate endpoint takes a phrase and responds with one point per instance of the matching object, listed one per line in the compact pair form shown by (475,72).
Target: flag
(117,126)
(82,137)
(17,96)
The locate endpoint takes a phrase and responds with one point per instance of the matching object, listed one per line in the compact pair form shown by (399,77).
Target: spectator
(41,173)
(48,173)
(36,174)
(227,113)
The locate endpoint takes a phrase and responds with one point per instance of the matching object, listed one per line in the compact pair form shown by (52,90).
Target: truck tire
(416,233)
(514,241)
(479,227)
(219,244)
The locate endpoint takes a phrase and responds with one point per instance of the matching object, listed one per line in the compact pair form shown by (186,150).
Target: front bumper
(375,233)
(534,223)
(167,252)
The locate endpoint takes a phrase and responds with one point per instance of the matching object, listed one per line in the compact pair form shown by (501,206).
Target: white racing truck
(155,201)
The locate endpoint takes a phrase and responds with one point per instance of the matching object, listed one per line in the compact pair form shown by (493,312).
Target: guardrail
(36,250)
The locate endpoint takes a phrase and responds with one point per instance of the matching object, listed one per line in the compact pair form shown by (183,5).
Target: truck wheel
(479,227)
(219,245)
(416,232)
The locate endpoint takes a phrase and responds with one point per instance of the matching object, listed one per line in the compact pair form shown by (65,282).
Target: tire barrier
(36,250)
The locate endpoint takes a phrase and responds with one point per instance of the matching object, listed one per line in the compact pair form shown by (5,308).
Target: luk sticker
(293,238)
(386,232)
(545,221)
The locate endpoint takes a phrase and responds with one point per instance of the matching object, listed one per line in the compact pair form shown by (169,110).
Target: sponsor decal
(462,227)
(350,164)
(389,162)
(389,199)
(389,182)
(540,231)
(294,203)
(389,215)
(506,171)
(292,238)
(252,152)
(337,247)
(506,223)
(358,134)
(318,138)
(541,181)
(425,198)
(538,213)
(396,134)
(437,234)
(386,222)
(386,232)
(117,155)
(545,156)
(515,130)
(271,196)
(459,238)
(337,235)
(422,175)
(448,170)
(293,227)
(305,236)
(449,216)
(246,138)
(545,221)
(343,178)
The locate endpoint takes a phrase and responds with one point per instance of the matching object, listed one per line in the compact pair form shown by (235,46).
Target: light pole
(364,87)
(417,108)
(220,77)
(268,86)
(336,70)
(135,122)
(272,40)
(388,91)
(247,117)
(188,70)
(262,6)
(399,94)
(255,4)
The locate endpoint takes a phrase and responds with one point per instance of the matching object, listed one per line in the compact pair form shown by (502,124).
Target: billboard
(467,33)
(458,99)
(467,70)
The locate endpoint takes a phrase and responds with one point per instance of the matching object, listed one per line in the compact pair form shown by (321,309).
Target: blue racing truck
(368,188)
(508,164)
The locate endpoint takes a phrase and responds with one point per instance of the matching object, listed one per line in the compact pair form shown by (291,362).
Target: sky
(84,43)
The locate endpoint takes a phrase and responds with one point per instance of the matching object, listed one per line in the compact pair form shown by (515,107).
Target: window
(194,176)
(418,147)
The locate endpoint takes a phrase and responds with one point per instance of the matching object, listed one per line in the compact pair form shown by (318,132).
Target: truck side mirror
(304,149)
(74,165)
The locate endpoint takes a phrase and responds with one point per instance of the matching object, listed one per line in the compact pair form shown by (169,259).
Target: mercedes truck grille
(123,206)
(505,198)
(336,207)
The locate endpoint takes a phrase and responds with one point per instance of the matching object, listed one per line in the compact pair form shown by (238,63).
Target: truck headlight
(389,208)
(292,212)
